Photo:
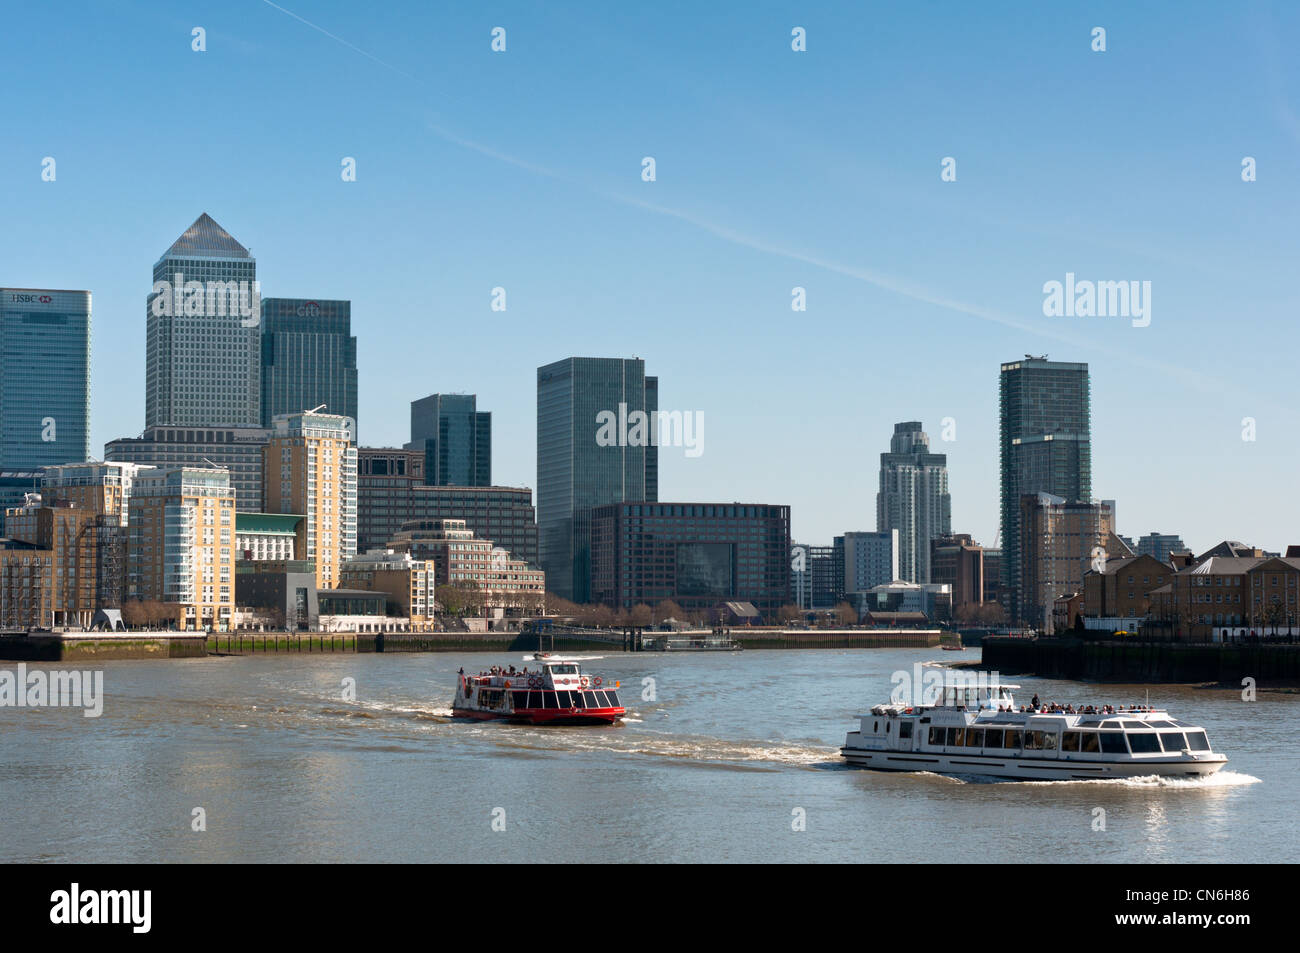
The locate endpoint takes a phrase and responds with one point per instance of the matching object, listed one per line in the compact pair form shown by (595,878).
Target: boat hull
(544,716)
(1027,769)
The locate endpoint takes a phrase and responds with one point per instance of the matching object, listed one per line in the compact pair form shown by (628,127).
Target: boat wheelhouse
(550,690)
(978,731)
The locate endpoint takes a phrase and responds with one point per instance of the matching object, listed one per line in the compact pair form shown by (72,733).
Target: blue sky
(775,169)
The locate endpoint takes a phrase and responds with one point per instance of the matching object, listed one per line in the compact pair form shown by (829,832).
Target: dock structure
(51,646)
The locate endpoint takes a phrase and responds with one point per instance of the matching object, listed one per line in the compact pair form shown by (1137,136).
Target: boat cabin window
(1112,742)
(1110,724)
(957,737)
(905,730)
(993,737)
(1174,741)
(1070,741)
(936,736)
(1012,738)
(1143,742)
(1088,743)
(1197,741)
(1040,741)
(613,699)
(974,737)
(1135,724)
(1161,724)
(564,669)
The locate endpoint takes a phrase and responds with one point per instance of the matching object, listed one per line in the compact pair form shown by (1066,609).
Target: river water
(729,757)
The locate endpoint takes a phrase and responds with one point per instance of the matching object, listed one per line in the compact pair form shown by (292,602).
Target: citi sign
(308,309)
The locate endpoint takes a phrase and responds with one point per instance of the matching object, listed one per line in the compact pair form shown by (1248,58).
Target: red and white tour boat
(550,690)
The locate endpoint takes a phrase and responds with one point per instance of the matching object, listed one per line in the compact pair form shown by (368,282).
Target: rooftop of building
(267,524)
(206,239)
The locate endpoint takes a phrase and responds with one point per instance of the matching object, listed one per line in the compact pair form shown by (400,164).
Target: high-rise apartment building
(309,358)
(102,488)
(309,468)
(870,560)
(26,581)
(1045,447)
(455,437)
(1060,540)
(71,535)
(1159,545)
(44,377)
(203,346)
(103,492)
(597,443)
(181,545)
(913,498)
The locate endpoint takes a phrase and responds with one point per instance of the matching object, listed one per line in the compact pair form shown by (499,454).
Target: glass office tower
(44,378)
(203,364)
(309,358)
(575,472)
(455,437)
(1046,447)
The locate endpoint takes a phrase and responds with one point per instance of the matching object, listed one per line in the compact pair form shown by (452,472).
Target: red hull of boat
(546,716)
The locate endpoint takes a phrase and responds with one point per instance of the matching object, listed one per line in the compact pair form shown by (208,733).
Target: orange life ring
(584,681)
(597,682)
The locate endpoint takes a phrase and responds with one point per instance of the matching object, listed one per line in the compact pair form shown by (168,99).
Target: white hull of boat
(1028,769)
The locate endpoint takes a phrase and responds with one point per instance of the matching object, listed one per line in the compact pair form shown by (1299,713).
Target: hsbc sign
(31,298)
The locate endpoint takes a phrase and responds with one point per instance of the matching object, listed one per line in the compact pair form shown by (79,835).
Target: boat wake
(711,751)
(1220,779)
(381,709)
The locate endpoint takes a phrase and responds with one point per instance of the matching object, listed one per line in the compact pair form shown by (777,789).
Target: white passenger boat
(978,731)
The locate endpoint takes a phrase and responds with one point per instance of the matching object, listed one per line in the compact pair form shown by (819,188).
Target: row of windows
(1086,742)
(559,700)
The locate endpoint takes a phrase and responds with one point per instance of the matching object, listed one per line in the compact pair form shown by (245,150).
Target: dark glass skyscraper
(456,439)
(583,463)
(203,351)
(1046,447)
(44,378)
(309,357)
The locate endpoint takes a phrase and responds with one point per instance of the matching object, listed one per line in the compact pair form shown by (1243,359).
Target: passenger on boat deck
(1033,702)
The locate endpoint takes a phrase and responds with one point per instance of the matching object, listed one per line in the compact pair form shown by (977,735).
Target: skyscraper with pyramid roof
(203,361)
